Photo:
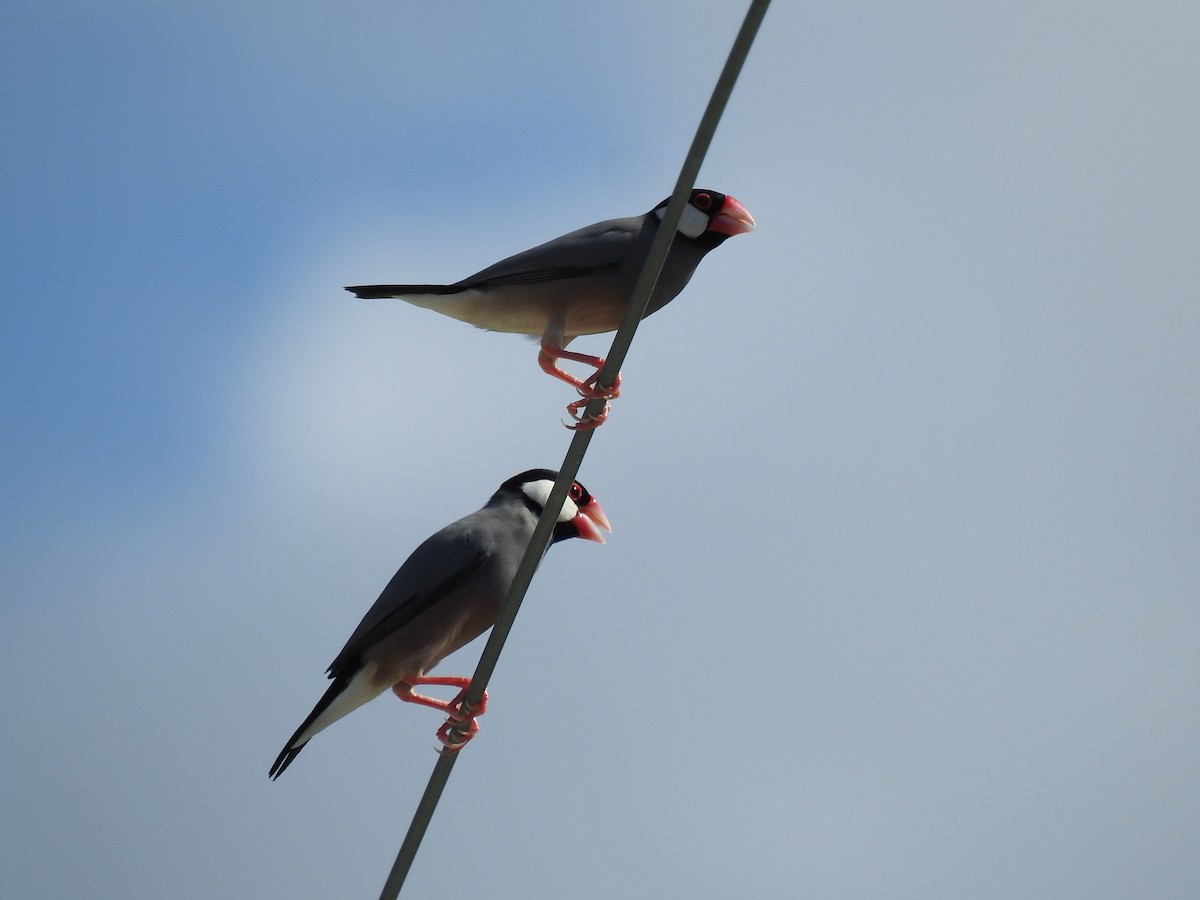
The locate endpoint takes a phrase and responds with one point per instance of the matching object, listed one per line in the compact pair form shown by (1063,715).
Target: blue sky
(902,598)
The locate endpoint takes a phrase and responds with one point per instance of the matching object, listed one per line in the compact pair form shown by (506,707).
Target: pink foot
(588,389)
(461,718)
(460,738)
(460,726)
(585,422)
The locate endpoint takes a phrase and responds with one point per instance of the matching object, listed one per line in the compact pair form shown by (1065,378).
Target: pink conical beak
(589,516)
(732,219)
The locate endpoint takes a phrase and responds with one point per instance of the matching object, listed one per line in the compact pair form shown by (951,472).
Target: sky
(903,594)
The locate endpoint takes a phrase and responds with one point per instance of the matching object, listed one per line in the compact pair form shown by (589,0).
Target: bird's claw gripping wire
(460,726)
(451,744)
(589,391)
(461,720)
(585,422)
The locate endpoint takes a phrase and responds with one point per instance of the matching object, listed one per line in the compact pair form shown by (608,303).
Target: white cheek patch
(692,223)
(539,493)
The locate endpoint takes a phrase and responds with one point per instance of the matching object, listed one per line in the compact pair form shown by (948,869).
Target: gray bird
(447,593)
(579,283)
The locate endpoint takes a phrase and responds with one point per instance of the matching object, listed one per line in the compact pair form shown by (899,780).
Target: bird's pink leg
(548,359)
(459,718)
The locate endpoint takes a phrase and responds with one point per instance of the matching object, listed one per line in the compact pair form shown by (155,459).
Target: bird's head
(581,515)
(710,215)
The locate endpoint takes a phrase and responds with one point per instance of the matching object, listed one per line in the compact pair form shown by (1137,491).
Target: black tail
(285,759)
(288,753)
(389,291)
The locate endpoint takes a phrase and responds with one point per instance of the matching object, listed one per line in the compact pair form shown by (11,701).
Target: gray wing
(442,563)
(596,248)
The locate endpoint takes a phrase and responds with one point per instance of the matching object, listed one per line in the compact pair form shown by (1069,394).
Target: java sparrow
(579,283)
(447,593)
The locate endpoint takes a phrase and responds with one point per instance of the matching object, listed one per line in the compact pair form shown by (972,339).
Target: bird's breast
(585,305)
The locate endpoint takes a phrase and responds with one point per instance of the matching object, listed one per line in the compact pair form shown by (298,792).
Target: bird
(579,283)
(447,593)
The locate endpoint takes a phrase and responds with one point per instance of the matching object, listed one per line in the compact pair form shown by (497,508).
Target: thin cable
(540,540)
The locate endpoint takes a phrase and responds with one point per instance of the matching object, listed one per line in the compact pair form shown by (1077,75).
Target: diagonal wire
(540,540)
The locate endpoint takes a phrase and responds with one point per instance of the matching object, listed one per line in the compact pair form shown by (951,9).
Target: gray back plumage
(472,559)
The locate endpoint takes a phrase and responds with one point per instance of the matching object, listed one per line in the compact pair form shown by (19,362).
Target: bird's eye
(702,202)
(576,492)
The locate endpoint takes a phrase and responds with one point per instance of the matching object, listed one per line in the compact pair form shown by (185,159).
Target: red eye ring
(702,201)
(576,492)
